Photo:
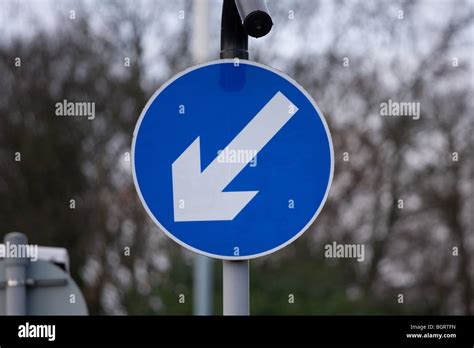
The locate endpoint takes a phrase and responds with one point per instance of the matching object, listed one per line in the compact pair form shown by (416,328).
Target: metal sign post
(236,287)
(235,274)
(234,44)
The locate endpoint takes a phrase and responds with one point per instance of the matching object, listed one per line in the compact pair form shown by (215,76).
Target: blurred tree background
(350,55)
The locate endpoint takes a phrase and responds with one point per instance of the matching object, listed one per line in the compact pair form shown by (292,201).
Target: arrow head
(199,197)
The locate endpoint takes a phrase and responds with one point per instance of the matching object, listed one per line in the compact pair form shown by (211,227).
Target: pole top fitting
(16,238)
(255,17)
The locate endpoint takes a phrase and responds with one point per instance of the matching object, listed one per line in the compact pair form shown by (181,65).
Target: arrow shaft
(252,138)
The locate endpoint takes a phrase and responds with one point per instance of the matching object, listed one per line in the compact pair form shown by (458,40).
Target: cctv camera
(255,17)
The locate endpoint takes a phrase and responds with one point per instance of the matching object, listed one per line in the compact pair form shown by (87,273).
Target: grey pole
(203,266)
(236,287)
(15,272)
(203,285)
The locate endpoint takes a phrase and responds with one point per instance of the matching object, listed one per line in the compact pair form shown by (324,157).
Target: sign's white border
(168,233)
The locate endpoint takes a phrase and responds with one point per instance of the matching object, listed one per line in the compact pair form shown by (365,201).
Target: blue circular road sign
(232,159)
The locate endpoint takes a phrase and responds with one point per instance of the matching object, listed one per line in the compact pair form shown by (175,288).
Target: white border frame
(169,234)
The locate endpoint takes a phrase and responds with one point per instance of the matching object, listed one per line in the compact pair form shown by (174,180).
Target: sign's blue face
(232,161)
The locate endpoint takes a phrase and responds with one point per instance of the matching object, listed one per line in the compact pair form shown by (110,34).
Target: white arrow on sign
(199,196)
